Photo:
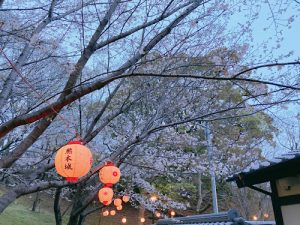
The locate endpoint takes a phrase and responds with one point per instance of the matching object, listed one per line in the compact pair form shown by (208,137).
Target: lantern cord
(107,163)
(100,167)
(66,122)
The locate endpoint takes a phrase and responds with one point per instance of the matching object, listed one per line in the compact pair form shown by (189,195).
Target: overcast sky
(285,119)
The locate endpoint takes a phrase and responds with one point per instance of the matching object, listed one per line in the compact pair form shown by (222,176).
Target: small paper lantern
(153,198)
(143,220)
(117,202)
(105,195)
(120,207)
(124,220)
(125,198)
(113,212)
(105,213)
(173,213)
(73,160)
(157,214)
(109,174)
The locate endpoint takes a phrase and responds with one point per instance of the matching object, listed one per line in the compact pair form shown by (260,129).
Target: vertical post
(275,203)
(153,218)
(211,168)
(200,198)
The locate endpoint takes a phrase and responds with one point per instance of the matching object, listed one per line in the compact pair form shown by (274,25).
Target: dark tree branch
(8,160)
(56,207)
(1,3)
(97,118)
(82,91)
(67,99)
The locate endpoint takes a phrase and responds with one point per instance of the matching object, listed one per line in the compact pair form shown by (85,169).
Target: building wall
(291,214)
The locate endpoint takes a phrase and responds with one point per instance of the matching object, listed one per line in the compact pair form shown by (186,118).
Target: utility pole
(211,168)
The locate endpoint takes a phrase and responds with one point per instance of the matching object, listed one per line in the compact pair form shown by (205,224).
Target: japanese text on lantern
(68,158)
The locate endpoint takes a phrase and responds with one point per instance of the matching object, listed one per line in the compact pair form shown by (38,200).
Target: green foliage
(200,149)
(174,189)
(259,125)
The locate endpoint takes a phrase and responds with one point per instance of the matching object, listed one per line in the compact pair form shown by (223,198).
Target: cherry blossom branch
(84,90)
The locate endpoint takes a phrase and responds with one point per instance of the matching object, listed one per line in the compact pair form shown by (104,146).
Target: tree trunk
(57,212)
(6,199)
(74,215)
(200,197)
(11,78)
(36,202)
(81,219)
(74,219)
(38,130)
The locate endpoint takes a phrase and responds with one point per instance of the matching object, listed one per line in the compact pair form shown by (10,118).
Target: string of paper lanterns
(105,195)
(117,202)
(74,160)
(124,220)
(109,175)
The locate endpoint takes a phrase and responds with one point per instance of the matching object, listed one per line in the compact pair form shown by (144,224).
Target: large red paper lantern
(109,174)
(73,160)
(117,202)
(105,195)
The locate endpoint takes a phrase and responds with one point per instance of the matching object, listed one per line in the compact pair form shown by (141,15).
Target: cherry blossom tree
(132,78)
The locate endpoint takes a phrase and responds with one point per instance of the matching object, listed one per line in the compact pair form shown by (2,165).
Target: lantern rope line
(66,122)
(39,95)
(47,101)
(97,169)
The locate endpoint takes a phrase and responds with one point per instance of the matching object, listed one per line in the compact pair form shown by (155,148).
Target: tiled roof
(231,217)
(232,223)
(261,222)
(266,164)
(213,223)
